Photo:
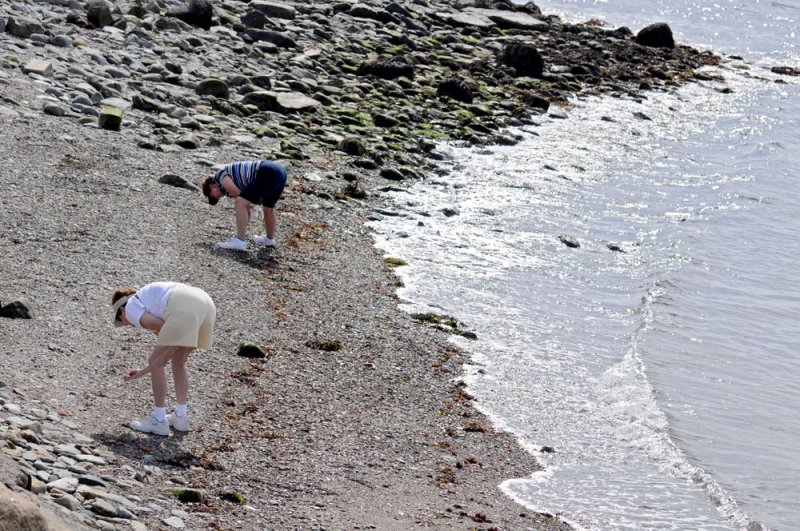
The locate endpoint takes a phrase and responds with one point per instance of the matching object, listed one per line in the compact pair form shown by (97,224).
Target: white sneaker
(263,240)
(255,213)
(234,244)
(150,425)
(179,423)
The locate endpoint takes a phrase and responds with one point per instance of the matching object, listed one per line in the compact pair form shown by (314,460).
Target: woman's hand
(132,375)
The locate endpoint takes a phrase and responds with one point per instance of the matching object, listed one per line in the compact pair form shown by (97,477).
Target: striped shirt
(242,174)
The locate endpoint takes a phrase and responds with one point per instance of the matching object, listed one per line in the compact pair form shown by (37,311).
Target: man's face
(215,191)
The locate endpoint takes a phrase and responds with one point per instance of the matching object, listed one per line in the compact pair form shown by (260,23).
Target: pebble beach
(352,415)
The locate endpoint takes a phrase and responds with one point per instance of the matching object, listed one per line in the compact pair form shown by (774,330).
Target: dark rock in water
(457,89)
(569,241)
(547,450)
(524,58)
(98,13)
(250,350)
(196,12)
(616,248)
(392,174)
(386,69)
(785,70)
(658,35)
(450,212)
(534,100)
(17,309)
(177,181)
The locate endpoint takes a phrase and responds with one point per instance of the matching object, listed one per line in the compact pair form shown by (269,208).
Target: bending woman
(183,318)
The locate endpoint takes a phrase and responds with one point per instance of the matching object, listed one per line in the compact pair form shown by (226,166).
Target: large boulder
(213,87)
(98,13)
(523,57)
(196,12)
(17,309)
(23,27)
(658,35)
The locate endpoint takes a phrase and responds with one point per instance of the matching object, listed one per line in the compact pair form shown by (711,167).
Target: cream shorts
(188,320)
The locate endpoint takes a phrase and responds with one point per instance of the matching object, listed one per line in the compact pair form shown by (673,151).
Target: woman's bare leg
(158,377)
(180,373)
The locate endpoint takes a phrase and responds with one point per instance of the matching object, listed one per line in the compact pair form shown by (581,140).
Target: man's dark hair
(207,182)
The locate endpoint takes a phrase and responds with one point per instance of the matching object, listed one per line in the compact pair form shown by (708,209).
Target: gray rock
(40,67)
(104,508)
(274,37)
(467,19)
(144,103)
(282,102)
(88,479)
(569,241)
(63,41)
(174,521)
(68,484)
(177,181)
(511,19)
(275,9)
(14,409)
(68,501)
(54,109)
(93,459)
(23,27)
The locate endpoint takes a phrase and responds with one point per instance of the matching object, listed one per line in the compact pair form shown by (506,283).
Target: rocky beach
(321,405)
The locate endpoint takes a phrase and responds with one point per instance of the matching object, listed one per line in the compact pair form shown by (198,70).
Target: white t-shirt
(151,298)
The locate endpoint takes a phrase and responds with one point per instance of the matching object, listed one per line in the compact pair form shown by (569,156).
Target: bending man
(249,183)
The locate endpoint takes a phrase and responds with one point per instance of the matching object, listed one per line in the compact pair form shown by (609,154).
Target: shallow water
(662,375)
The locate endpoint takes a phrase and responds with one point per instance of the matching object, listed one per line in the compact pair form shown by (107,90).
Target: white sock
(160,414)
(181,410)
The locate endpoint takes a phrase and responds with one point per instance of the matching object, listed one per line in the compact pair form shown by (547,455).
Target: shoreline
(373,435)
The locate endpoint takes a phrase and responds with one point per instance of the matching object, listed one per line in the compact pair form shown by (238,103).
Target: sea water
(654,369)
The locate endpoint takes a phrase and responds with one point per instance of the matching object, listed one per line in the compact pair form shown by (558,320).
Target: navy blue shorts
(267,186)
